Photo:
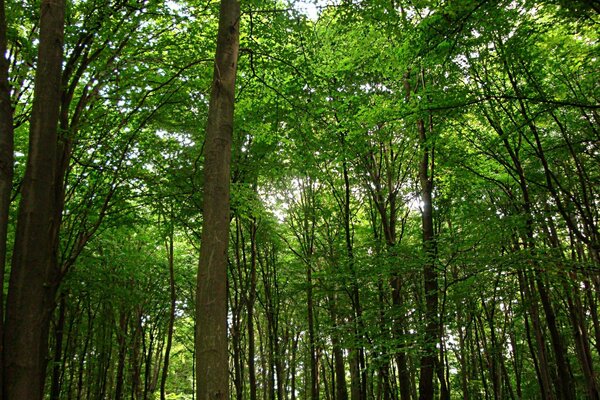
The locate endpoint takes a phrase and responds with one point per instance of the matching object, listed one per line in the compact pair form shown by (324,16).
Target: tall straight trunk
(250,305)
(82,356)
(541,361)
(58,350)
(357,392)
(432,329)
(355,386)
(341,390)
(134,362)
(212,366)
(272,336)
(147,359)
(263,362)
(122,341)
(314,361)
(236,303)
(582,342)
(33,279)
(6,167)
(279,370)
(338,370)
(294,366)
(165,371)
(564,385)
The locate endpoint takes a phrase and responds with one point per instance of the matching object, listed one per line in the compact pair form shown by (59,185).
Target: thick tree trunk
(33,280)
(212,364)
(6,167)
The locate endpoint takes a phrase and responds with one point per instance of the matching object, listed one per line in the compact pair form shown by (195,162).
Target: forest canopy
(279,200)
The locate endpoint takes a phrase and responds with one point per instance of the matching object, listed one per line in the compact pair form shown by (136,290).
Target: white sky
(307,8)
(311,8)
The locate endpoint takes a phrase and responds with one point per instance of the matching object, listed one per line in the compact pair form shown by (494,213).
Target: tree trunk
(121,340)
(58,352)
(250,322)
(33,279)
(432,330)
(356,388)
(165,371)
(6,167)
(314,361)
(341,390)
(212,364)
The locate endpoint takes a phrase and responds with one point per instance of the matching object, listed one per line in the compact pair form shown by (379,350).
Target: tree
(211,298)
(414,192)
(6,168)
(33,279)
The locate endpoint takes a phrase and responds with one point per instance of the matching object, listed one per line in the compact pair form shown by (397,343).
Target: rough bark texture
(6,164)
(32,287)
(211,297)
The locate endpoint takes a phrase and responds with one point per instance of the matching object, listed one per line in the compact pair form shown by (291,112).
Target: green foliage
(325,180)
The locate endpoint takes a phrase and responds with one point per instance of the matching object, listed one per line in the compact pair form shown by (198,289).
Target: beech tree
(211,298)
(405,198)
(33,278)
(6,168)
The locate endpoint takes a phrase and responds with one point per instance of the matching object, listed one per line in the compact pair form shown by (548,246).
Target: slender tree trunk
(33,279)
(294,366)
(147,358)
(212,366)
(165,371)
(58,351)
(121,339)
(462,357)
(6,168)
(82,357)
(279,373)
(314,361)
(135,367)
(541,361)
(565,388)
(339,370)
(250,305)
(582,346)
(236,303)
(341,390)
(432,329)
(356,388)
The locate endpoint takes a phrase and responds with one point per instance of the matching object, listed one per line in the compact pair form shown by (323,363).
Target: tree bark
(250,305)
(211,296)
(122,342)
(357,390)
(432,330)
(55,387)
(314,360)
(165,371)
(6,167)
(33,279)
